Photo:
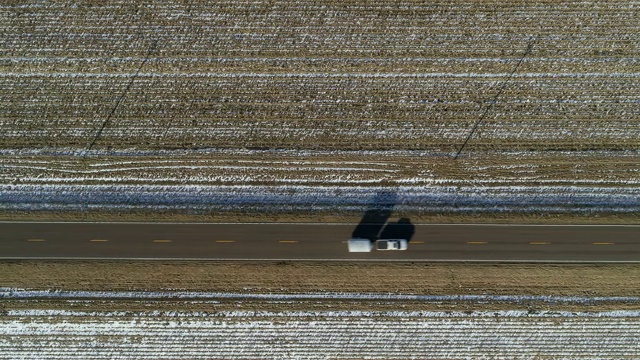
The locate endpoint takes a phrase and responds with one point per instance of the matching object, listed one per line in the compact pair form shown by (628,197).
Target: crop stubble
(321,278)
(257,167)
(326,79)
(323,76)
(330,75)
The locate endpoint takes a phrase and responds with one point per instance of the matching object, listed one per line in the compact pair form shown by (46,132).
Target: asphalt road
(315,241)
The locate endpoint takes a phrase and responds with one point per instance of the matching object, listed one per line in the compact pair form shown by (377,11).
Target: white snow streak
(427,197)
(9,293)
(51,334)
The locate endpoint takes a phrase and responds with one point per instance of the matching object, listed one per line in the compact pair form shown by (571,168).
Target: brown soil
(303,277)
(243,217)
(309,277)
(196,86)
(294,75)
(301,305)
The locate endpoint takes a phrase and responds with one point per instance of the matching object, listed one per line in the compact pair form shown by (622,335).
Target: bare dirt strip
(296,277)
(322,278)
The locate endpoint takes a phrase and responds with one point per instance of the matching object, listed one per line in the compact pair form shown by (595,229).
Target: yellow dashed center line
(98,240)
(476,242)
(161,241)
(417,242)
(225,241)
(288,241)
(603,243)
(35,240)
(539,243)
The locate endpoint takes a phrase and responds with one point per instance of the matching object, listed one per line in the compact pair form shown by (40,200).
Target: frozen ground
(42,334)
(275,199)
(277,181)
(302,107)
(21,294)
(36,332)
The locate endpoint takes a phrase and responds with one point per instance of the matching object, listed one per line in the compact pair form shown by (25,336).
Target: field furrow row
(145,337)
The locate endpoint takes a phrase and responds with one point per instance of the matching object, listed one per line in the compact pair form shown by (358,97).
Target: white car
(360,245)
(391,244)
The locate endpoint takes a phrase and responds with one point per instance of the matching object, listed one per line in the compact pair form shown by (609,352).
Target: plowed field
(528,94)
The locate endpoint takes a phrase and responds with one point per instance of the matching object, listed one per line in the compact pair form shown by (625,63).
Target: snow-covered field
(22,294)
(293,180)
(305,106)
(34,331)
(43,334)
(201,199)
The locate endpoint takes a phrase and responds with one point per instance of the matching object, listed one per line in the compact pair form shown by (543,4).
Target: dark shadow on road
(402,229)
(375,217)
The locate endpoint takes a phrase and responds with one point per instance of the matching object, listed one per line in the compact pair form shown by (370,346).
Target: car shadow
(376,216)
(401,229)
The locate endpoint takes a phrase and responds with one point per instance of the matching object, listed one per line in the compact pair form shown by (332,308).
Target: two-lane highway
(430,242)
